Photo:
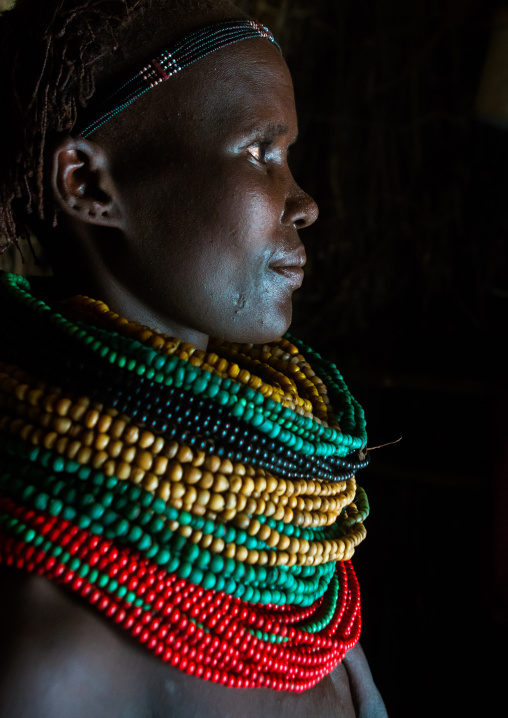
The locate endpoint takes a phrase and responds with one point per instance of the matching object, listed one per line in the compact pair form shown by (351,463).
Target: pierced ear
(82,183)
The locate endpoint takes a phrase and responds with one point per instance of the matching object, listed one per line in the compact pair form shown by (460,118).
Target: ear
(82,184)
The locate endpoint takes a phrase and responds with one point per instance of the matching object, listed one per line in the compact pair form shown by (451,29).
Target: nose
(300,210)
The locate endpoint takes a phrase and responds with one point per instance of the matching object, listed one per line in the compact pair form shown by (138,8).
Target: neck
(123,302)
(80,269)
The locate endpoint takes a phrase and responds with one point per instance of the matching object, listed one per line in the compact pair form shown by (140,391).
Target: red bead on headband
(180,54)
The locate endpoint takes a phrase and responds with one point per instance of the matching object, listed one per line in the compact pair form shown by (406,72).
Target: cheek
(233,231)
(215,238)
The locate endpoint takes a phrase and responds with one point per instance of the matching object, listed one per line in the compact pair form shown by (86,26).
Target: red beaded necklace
(202,632)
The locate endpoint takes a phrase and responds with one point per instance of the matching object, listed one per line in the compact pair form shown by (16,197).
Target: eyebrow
(272,130)
(269,131)
(276,129)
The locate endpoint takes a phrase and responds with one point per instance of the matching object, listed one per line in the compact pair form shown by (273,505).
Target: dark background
(407,291)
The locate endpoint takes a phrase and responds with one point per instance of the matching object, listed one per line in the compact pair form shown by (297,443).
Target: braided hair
(51,54)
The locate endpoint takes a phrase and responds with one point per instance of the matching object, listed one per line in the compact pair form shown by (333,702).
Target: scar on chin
(239,302)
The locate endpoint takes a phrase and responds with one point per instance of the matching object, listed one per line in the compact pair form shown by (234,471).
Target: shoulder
(366,696)
(57,657)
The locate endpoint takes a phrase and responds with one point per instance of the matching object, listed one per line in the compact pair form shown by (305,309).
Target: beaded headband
(180,54)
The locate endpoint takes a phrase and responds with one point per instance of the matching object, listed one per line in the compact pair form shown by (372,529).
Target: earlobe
(82,184)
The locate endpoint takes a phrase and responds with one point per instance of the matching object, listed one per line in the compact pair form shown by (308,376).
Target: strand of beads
(351,413)
(155,366)
(155,541)
(17,388)
(119,448)
(281,361)
(189,627)
(60,416)
(17,384)
(246,445)
(232,432)
(160,405)
(214,540)
(101,316)
(232,495)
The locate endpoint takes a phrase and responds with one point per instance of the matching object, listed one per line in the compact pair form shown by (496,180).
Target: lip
(294,258)
(294,275)
(289,264)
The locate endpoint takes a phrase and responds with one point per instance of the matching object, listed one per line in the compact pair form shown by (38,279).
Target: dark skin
(183,216)
(145,210)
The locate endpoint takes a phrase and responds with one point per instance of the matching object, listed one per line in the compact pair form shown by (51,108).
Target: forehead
(236,88)
(253,82)
(251,68)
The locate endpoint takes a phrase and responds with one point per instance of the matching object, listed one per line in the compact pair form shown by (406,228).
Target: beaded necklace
(204,501)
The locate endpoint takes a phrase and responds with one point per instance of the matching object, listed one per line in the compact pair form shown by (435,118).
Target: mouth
(293,274)
(290,266)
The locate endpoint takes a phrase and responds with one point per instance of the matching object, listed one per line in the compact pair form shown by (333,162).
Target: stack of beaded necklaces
(204,501)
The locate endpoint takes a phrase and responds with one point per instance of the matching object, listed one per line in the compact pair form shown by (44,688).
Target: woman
(198,492)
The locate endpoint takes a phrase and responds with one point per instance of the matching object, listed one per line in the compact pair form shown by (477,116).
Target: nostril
(308,212)
(301,210)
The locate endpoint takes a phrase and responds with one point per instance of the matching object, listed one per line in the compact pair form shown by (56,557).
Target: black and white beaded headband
(180,54)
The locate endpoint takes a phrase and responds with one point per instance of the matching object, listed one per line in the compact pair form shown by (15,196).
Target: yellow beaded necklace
(209,486)
(289,379)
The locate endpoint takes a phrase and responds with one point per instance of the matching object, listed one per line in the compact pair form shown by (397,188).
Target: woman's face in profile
(212,209)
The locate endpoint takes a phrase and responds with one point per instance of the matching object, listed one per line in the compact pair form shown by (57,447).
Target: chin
(261,332)
(276,327)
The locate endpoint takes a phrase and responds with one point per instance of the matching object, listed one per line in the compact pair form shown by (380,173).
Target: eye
(259,151)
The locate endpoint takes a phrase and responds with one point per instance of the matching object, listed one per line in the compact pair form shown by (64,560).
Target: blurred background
(403,111)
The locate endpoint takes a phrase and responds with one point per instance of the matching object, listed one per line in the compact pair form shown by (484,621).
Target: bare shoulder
(57,657)
(366,696)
